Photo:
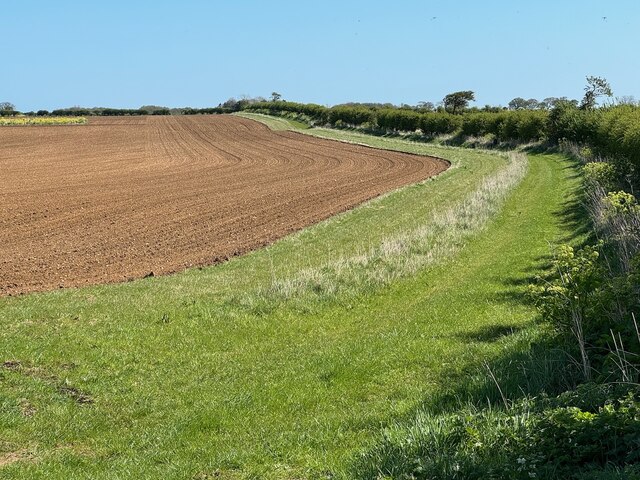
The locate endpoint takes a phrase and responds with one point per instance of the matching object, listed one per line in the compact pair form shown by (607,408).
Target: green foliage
(75,111)
(456,102)
(612,132)
(520,125)
(567,122)
(525,126)
(622,203)
(544,438)
(596,87)
(520,103)
(577,278)
(205,111)
(593,306)
(617,135)
(398,120)
(317,113)
(600,173)
(477,124)
(353,116)
(7,107)
(439,123)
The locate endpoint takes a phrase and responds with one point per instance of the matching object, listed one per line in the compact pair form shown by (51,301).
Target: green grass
(188,380)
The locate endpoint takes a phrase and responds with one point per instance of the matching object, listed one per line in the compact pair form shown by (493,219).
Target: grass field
(202,375)
(21,121)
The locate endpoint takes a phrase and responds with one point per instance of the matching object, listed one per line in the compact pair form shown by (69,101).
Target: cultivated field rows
(122,198)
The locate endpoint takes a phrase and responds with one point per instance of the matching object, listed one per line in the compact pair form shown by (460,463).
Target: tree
(596,87)
(7,107)
(627,100)
(275,96)
(457,101)
(551,102)
(517,103)
(427,106)
(520,103)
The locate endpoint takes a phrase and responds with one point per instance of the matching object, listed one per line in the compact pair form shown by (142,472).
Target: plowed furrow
(122,197)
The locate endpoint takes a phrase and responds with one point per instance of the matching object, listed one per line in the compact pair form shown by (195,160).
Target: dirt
(131,197)
(12,457)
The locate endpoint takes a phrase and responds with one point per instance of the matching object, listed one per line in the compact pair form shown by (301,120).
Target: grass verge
(174,378)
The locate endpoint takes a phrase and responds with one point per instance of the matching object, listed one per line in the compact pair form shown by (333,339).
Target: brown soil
(8,458)
(124,198)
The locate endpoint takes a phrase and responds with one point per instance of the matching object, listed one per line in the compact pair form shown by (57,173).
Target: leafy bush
(354,116)
(316,112)
(476,124)
(600,174)
(205,111)
(617,135)
(522,125)
(594,430)
(568,122)
(622,203)
(438,123)
(577,276)
(398,120)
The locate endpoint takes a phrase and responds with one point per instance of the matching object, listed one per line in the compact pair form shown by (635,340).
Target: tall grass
(405,253)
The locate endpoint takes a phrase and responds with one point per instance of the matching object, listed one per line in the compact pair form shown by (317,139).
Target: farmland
(202,374)
(320,241)
(124,198)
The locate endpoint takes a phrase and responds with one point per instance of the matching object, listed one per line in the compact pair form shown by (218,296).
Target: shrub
(440,123)
(354,116)
(600,173)
(398,120)
(476,124)
(316,112)
(622,203)
(593,430)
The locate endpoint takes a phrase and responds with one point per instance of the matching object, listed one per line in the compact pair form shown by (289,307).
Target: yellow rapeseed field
(4,121)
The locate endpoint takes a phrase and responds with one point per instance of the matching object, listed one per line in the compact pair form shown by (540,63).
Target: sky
(125,54)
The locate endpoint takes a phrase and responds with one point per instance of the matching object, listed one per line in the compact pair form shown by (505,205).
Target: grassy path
(173,378)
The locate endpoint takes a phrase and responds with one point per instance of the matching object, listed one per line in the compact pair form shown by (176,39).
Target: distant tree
(275,96)
(520,103)
(533,104)
(7,107)
(596,87)
(427,106)
(517,103)
(457,101)
(230,104)
(152,109)
(551,102)
(627,100)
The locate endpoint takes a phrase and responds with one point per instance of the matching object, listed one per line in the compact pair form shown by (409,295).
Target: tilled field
(122,198)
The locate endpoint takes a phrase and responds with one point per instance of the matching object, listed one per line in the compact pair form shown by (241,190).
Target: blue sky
(199,53)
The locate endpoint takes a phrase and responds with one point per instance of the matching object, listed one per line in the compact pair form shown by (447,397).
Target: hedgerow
(591,432)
